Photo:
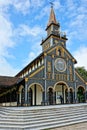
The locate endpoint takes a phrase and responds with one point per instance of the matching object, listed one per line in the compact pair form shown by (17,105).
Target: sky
(23,24)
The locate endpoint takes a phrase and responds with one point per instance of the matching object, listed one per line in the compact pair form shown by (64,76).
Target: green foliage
(80,95)
(83,72)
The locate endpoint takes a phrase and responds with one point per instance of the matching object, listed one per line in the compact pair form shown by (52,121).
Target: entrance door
(22,96)
(50,96)
(35,95)
(66,96)
(30,97)
(71,96)
(61,93)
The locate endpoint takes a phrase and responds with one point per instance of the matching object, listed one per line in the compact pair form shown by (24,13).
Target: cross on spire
(51,3)
(52,18)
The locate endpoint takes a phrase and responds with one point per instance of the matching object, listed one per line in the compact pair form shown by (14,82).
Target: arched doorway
(61,89)
(21,95)
(71,95)
(35,93)
(81,94)
(50,96)
(30,97)
(66,95)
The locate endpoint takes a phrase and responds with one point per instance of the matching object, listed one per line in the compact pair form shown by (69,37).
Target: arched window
(59,52)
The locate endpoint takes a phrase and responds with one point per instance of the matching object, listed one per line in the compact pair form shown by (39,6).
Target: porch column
(52,66)
(73,96)
(85,95)
(62,94)
(86,92)
(45,76)
(43,100)
(28,100)
(68,95)
(67,70)
(54,97)
(26,86)
(35,95)
(19,98)
(75,89)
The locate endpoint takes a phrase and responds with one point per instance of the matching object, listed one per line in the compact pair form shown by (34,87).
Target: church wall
(79,81)
(39,74)
(60,76)
(33,80)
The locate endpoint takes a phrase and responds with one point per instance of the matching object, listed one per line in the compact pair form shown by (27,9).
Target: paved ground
(81,126)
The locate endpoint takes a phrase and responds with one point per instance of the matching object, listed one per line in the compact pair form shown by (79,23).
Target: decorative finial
(51,3)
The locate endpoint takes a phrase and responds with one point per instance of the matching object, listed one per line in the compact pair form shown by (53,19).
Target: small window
(59,52)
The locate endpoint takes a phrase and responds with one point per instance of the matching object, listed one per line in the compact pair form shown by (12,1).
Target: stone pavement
(80,126)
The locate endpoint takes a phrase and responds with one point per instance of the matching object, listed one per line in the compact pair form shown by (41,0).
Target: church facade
(49,79)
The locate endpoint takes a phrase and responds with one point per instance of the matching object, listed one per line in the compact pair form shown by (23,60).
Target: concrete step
(48,111)
(43,108)
(48,119)
(36,118)
(39,117)
(45,125)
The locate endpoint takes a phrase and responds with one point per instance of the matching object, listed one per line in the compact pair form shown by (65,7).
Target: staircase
(41,117)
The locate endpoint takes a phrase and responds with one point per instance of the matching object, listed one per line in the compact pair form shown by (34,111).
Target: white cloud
(6,42)
(81,56)
(46,9)
(70,4)
(5,4)
(78,21)
(6,68)
(6,39)
(44,12)
(35,51)
(77,25)
(7,32)
(57,4)
(34,36)
(24,30)
(21,6)
(37,3)
(31,57)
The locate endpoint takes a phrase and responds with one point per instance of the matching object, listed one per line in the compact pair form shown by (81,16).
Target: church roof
(8,81)
(29,65)
(52,18)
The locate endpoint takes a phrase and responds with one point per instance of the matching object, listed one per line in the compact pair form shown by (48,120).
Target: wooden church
(49,79)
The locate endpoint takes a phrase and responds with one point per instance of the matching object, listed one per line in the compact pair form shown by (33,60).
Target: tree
(83,72)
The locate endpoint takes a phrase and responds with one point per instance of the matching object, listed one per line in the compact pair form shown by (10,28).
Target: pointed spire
(52,18)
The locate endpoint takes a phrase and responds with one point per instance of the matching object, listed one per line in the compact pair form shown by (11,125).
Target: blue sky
(22,27)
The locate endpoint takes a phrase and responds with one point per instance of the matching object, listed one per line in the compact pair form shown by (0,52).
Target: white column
(45,70)
(26,80)
(53,66)
(75,84)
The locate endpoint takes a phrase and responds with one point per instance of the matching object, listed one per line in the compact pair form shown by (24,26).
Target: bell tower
(53,26)
(54,35)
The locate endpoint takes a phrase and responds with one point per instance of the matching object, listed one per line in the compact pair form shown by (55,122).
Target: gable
(64,52)
(79,78)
